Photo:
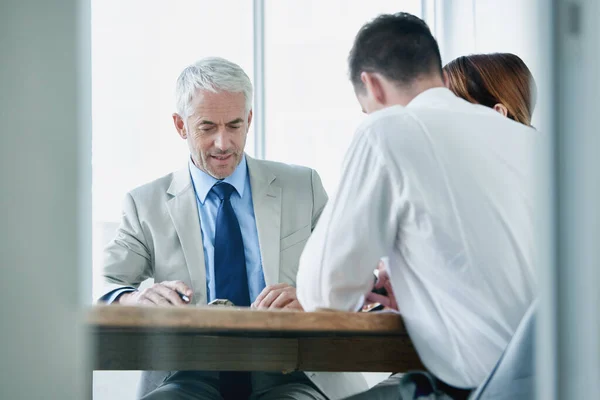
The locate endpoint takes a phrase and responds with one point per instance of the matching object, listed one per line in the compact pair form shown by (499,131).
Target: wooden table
(223,338)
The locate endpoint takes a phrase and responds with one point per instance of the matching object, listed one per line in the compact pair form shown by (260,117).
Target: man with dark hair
(415,51)
(445,189)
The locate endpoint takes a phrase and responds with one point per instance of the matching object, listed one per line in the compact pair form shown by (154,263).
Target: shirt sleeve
(357,227)
(110,297)
(127,258)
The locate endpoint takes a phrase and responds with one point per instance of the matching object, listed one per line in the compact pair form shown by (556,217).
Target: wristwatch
(221,302)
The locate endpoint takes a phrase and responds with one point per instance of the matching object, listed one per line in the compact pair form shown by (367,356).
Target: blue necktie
(231,281)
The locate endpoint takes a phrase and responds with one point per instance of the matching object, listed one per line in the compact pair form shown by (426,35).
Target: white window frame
(428,12)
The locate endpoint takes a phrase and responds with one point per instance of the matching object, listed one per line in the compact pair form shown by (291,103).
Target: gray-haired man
(224,226)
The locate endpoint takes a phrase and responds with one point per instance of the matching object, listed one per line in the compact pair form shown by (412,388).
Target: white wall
(45,181)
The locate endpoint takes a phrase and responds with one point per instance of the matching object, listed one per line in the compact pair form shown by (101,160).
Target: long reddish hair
(489,79)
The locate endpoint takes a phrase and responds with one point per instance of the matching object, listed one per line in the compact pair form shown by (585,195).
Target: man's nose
(221,140)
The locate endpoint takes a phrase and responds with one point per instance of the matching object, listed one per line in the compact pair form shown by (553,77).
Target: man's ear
(179,125)
(373,86)
(249,119)
(501,108)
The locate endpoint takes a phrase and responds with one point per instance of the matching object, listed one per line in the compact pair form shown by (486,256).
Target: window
(311,111)
(140,47)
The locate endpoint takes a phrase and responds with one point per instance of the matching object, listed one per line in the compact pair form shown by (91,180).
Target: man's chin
(221,172)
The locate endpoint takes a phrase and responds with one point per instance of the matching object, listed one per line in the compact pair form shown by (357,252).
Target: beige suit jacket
(160,237)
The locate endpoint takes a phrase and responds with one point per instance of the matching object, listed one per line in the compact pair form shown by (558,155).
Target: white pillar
(259,79)
(45,206)
(577,171)
(455,28)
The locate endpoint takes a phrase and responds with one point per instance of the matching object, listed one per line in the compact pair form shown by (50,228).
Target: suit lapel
(266,197)
(184,213)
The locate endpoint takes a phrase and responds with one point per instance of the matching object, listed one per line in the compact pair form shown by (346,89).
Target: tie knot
(223,190)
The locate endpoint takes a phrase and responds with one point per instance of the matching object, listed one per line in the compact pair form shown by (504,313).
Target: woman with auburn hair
(500,81)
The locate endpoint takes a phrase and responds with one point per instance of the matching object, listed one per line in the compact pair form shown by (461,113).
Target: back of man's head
(399,46)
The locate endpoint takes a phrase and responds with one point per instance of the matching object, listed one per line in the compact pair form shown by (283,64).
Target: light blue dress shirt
(241,201)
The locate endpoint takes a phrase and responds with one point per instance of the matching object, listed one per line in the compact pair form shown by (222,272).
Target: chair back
(513,378)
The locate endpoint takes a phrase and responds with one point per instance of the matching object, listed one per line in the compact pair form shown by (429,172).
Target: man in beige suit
(225,226)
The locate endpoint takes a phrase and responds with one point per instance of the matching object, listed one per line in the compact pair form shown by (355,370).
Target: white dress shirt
(445,189)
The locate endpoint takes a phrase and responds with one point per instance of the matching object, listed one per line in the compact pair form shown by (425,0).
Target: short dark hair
(398,46)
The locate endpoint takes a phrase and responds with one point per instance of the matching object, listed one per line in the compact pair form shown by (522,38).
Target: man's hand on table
(383,281)
(281,295)
(160,294)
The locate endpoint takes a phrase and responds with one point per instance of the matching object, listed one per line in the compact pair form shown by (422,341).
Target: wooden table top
(214,320)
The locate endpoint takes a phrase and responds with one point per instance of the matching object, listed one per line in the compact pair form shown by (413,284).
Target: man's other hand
(281,295)
(160,294)
(383,281)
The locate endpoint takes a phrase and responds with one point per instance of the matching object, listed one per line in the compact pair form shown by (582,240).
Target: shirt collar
(429,98)
(433,96)
(203,182)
